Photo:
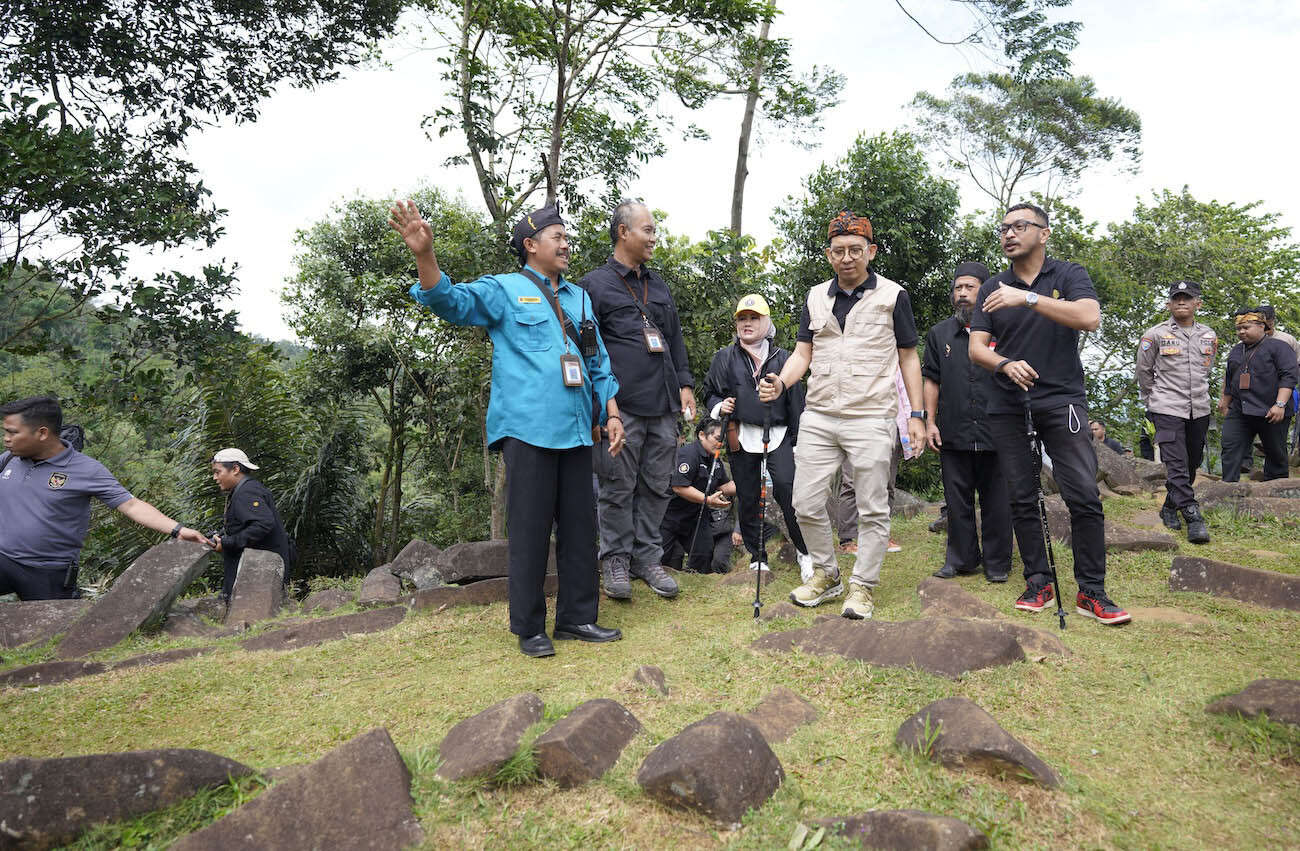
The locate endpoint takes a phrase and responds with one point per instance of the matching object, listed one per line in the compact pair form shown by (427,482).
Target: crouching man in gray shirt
(45,491)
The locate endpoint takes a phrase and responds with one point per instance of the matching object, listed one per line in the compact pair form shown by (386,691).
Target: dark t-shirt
(692,470)
(1272,365)
(905,336)
(1049,347)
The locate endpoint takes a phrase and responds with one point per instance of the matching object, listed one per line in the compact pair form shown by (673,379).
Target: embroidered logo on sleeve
(58,480)
(683,468)
(1146,344)
(256,503)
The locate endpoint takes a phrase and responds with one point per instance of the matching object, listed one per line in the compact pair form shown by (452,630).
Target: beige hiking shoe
(858,605)
(817,590)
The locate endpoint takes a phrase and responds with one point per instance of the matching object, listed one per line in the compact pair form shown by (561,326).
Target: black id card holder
(1244,381)
(572,369)
(654,341)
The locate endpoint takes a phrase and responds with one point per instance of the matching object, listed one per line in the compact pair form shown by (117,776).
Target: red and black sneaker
(1035,599)
(1098,605)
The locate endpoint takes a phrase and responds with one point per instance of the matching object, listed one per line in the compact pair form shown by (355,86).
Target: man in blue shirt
(45,491)
(548,364)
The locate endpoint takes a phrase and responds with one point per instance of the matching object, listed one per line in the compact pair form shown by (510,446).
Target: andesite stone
(1248,584)
(653,676)
(906,505)
(259,588)
(480,593)
(210,606)
(780,713)
(49,673)
(743,576)
(1114,469)
(418,564)
(962,735)
(1118,536)
(327,600)
(907,830)
(139,598)
(482,743)
(945,646)
(356,796)
(326,629)
(720,766)
(380,588)
(1164,614)
(946,597)
(473,560)
(1279,699)
(48,802)
(37,620)
(783,609)
(586,743)
(188,625)
(1037,643)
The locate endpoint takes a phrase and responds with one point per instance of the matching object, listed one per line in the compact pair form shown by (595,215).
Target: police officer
(697,480)
(45,491)
(1256,397)
(958,391)
(548,365)
(251,519)
(1174,360)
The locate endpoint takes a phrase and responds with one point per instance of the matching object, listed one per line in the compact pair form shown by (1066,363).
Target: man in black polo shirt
(696,480)
(639,324)
(1256,398)
(1035,310)
(958,391)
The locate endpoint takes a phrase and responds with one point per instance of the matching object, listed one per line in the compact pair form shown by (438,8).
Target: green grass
(1122,719)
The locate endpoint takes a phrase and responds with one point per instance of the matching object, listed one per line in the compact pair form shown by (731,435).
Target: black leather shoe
(990,576)
(586,632)
(536,645)
(945,572)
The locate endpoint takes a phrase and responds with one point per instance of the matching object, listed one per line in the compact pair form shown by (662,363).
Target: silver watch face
(1031,299)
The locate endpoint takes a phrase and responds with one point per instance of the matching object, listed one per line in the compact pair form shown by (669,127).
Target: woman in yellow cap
(730,388)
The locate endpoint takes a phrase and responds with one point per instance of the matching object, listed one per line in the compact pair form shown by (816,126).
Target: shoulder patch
(1146,344)
(682,468)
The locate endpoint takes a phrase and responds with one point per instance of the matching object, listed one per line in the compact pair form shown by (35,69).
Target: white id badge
(654,341)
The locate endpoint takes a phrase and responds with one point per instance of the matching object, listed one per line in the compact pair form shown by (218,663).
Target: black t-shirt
(1049,347)
(692,470)
(905,336)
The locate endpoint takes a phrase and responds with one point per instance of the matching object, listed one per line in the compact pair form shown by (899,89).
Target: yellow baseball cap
(755,303)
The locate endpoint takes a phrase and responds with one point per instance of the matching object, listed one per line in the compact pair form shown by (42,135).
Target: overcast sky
(1212,81)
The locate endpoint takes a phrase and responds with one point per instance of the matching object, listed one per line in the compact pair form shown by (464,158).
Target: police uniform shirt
(1023,334)
(1272,365)
(45,505)
(692,470)
(964,388)
(1173,369)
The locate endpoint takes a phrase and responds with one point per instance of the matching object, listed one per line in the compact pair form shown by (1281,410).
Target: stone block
(779,714)
(1248,584)
(907,830)
(958,733)
(585,743)
(1279,699)
(326,629)
(259,588)
(482,743)
(380,588)
(30,621)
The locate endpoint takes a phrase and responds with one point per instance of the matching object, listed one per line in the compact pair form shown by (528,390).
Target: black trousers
(1064,432)
(966,473)
(1182,445)
(711,553)
(746,472)
(545,488)
(36,583)
(1237,440)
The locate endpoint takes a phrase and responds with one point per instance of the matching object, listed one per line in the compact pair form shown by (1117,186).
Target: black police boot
(1197,531)
(1169,516)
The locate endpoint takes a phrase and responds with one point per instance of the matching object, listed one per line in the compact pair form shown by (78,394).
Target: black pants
(746,472)
(1237,439)
(712,551)
(964,474)
(1064,432)
(545,488)
(1182,445)
(36,583)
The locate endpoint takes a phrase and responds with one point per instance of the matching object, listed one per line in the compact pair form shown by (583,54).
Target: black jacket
(1272,365)
(252,521)
(964,388)
(730,375)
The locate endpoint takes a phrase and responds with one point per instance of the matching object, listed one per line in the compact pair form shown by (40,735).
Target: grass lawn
(1122,718)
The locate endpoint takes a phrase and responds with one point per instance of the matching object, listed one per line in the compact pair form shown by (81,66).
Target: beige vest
(852,372)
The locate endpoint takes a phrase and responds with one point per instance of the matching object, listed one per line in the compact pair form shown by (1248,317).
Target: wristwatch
(1031,299)
(176,531)
(1281,405)
(920,415)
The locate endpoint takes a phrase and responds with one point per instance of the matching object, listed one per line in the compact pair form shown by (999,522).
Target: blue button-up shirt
(529,400)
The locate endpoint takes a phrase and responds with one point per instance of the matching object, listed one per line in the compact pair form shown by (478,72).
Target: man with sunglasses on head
(1035,310)
(856,331)
(1256,398)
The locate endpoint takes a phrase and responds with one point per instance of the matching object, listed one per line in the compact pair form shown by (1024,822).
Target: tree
(100,97)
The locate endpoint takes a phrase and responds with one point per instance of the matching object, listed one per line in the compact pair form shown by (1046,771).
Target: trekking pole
(708,483)
(762,511)
(1036,448)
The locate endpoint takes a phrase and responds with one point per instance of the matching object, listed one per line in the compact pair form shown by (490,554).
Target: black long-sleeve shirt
(649,384)
(1272,365)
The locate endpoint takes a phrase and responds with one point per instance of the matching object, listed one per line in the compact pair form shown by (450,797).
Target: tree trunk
(746,132)
(378,537)
(396,523)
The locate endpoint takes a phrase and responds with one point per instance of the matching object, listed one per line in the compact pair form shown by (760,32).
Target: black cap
(530,224)
(971,269)
(1190,288)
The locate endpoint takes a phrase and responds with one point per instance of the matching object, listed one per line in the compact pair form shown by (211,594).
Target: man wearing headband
(1256,397)
(1035,311)
(731,389)
(639,321)
(250,519)
(958,392)
(548,364)
(1174,360)
(856,330)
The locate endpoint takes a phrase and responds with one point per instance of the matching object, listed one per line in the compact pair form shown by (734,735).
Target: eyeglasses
(1019,226)
(853,251)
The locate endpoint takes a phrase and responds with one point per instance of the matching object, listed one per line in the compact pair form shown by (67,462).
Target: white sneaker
(753,565)
(805,566)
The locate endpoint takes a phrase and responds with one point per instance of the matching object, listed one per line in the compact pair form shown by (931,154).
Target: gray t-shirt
(45,505)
